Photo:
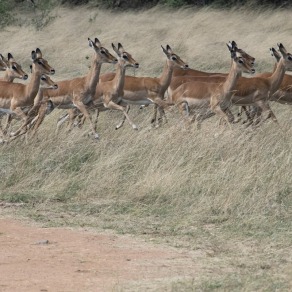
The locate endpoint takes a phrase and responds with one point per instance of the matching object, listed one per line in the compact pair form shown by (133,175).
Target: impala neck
(34,84)
(92,77)
(119,79)
(166,75)
(231,80)
(277,77)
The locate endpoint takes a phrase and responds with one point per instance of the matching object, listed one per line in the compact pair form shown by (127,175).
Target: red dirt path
(58,259)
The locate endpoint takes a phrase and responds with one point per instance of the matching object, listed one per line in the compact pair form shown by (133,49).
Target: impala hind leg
(203,115)
(154,117)
(112,105)
(184,109)
(162,116)
(7,124)
(265,110)
(124,118)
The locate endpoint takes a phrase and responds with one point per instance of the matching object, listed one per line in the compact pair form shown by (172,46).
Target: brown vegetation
(221,190)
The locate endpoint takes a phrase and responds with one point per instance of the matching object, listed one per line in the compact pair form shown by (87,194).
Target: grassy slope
(224,191)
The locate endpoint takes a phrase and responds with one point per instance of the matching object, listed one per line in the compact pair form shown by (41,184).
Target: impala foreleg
(24,117)
(40,118)
(216,107)
(81,106)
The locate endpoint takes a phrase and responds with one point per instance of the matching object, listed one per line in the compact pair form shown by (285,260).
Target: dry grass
(224,191)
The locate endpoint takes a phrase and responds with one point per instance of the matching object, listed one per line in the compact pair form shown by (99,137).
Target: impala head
(243,64)
(125,59)
(3,63)
(14,69)
(174,58)
(103,54)
(40,64)
(47,82)
(233,46)
(286,57)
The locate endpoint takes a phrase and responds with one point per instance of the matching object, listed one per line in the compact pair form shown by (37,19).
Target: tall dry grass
(228,190)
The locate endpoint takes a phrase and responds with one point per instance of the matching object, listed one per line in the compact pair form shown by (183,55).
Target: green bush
(5,8)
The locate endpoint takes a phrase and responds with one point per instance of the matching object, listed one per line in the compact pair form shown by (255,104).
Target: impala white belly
(243,100)
(64,102)
(135,97)
(4,111)
(5,103)
(137,102)
(197,103)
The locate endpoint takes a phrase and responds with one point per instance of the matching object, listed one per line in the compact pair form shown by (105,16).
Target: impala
(257,90)
(111,93)
(283,95)
(46,84)
(143,90)
(198,94)
(150,90)
(13,70)
(14,96)
(250,91)
(79,91)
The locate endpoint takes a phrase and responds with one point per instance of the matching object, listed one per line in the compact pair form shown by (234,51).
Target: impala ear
(234,44)
(282,49)
(231,50)
(97,42)
(169,50)
(275,54)
(116,50)
(9,56)
(120,47)
(39,53)
(33,55)
(229,46)
(90,42)
(164,51)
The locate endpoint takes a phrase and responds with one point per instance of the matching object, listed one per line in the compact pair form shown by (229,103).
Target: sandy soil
(58,259)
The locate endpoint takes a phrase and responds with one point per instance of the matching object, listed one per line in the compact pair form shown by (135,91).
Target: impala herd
(197,94)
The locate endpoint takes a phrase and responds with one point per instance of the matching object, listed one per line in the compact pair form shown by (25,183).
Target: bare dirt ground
(58,259)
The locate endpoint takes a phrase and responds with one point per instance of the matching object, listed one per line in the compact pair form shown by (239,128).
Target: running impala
(79,91)
(145,90)
(14,96)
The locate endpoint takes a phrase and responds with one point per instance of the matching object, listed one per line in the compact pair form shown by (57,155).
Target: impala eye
(290,58)
(125,57)
(103,52)
(240,61)
(40,63)
(173,58)
(14,67)
(43,78)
